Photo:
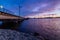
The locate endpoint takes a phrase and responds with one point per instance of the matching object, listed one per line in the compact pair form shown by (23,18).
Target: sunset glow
(54,13)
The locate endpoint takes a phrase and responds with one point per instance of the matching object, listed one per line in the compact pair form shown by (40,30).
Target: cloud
(55,11)
(35,7)
(39,7)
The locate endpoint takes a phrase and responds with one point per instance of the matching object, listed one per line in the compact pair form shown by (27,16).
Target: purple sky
(34,7)
(30,7)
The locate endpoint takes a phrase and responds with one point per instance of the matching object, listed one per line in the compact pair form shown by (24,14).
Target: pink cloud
(40,7)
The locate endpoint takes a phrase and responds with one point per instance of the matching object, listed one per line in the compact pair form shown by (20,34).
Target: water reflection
(1,23)
(48,28)
(9,25)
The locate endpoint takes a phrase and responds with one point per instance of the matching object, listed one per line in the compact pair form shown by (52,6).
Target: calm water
(34,25)
(48,28)
(45,27)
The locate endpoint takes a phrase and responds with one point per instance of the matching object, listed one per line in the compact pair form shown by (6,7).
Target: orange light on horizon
(54,13)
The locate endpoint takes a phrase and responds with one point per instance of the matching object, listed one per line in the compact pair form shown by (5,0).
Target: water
(1,23)
(34,25)
(48,28)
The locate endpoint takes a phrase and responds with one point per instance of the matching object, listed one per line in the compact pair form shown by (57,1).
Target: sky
(12,5)
(32,7)
(37,7)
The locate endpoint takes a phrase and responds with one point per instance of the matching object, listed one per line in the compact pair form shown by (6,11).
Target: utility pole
(19,10)
(19,7)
